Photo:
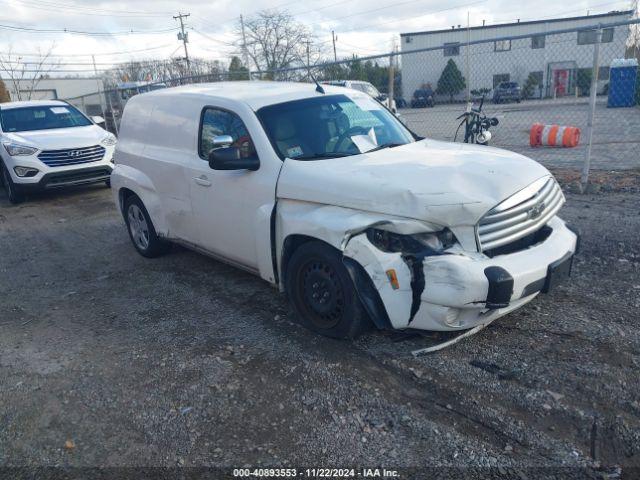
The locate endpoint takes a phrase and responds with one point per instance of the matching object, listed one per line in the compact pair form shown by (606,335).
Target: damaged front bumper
(459,290)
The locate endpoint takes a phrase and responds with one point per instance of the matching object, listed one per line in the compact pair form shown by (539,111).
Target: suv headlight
(15,149)
(432,243)
(109,141)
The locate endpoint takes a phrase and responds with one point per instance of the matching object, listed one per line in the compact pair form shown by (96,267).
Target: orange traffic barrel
(554,136)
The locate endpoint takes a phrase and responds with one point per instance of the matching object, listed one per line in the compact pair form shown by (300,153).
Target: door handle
(202,181)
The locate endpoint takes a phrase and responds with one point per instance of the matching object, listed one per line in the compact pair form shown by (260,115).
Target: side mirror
(228,158)
(97,119)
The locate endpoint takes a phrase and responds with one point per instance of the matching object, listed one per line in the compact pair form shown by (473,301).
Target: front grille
(71,156)
(508,223)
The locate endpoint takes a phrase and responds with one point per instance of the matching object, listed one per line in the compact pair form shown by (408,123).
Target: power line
(81,10)
(80,32)
(69,8)
(126,52)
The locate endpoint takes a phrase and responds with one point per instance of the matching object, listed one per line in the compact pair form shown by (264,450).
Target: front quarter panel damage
(376,263)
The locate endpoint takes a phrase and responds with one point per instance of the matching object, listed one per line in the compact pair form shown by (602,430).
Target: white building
(556,60)
(60,89)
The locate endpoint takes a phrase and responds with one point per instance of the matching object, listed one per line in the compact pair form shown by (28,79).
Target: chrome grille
(71,156)
(509,222)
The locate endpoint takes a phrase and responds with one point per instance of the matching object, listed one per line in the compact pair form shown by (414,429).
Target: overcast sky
(363,26)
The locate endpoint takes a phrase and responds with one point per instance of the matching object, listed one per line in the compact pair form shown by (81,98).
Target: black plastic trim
(368,294)
(47,182)
(500,287)
(578,239)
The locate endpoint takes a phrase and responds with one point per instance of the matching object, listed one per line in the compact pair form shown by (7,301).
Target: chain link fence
(570,78)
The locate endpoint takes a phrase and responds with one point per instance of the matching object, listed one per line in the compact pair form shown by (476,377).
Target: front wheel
(14,195)
(322,293)
(141,229)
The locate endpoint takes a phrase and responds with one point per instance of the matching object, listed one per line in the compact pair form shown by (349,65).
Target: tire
(13,193)
(141,230)
(322,293)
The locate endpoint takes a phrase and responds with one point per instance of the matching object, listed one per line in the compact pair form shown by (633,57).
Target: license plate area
(558,272)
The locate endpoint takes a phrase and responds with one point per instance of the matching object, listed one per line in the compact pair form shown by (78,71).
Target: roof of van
(32,103)
(256,94)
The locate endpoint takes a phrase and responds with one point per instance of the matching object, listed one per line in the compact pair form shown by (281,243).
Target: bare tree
(25,75)
(159,70)
(273,40)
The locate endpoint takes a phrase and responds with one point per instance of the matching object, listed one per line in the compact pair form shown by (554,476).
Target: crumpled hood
(449,184)
(59,138)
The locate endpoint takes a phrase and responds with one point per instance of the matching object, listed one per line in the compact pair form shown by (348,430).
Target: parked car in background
(507,92)
(50,144)
(326,194)
(367,88)
(422,98)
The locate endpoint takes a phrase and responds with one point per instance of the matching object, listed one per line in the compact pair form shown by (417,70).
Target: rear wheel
(14,195)
(141,229)
(322,293)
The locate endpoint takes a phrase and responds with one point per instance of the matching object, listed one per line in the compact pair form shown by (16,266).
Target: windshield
(331,126)
(42,118)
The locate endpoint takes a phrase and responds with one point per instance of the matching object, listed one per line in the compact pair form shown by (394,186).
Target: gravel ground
(109,359)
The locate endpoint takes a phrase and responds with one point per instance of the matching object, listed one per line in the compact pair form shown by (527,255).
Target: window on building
(451,49)
(537,76)
(538,41)
(408,39)
(502,45)
(499,78)
(587,37)
(603,73)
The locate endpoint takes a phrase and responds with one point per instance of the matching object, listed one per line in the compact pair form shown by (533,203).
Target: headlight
(15,149)
(109,140)
(432,243)
(25,171)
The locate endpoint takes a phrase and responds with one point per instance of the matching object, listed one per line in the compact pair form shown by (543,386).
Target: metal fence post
(584,179)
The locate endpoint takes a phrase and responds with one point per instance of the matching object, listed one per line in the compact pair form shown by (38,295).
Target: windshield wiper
(385,145)
(320,156)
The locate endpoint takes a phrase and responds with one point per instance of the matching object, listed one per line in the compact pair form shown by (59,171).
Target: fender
(124,176)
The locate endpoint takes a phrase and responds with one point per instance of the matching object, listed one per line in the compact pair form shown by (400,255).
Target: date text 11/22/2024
(315,473)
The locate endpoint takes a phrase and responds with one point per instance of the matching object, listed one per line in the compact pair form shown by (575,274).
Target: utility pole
(334,38)
(308,59)
(245,55)
(101,92)
(392,74)
(184,37)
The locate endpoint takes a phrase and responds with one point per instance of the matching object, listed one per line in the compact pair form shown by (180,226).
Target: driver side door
(225,202)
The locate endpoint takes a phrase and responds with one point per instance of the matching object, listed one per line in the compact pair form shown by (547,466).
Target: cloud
(363,26)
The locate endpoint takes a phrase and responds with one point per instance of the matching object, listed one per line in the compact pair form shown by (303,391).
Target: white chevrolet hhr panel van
(323,192)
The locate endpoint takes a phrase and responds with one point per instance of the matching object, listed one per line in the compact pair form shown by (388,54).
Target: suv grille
(507,223)
(71,156)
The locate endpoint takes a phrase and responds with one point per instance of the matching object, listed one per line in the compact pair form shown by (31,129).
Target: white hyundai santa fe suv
(50,144)
(324,193)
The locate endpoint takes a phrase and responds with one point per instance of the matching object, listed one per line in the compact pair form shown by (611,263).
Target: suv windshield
(42,118)
(331,126)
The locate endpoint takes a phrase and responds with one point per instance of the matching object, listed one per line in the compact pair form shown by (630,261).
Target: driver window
(216,122)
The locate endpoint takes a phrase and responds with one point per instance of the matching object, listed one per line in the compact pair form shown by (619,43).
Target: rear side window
(216,122)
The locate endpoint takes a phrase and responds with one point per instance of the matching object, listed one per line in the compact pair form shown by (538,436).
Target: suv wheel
(12,190)
(322,293)
(141,230)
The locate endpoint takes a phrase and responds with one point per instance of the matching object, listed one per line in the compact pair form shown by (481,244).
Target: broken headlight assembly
(431,243)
